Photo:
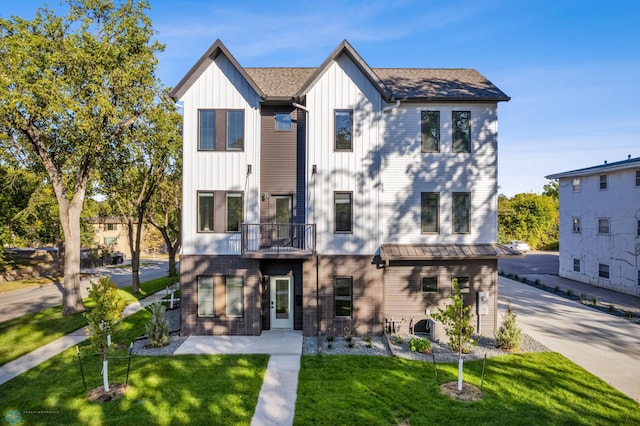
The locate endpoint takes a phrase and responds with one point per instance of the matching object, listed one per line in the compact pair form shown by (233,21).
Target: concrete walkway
(32,359)
(605,345)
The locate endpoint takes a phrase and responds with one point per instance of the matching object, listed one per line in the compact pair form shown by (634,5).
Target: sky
(571,67)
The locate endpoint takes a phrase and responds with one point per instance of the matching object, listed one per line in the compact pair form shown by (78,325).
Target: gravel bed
(441,352)
(173,319)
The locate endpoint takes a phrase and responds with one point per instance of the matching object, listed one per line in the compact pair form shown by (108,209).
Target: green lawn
(22,335)
(526,389)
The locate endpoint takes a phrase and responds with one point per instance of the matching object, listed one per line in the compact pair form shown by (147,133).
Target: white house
(336,197)
(600,225)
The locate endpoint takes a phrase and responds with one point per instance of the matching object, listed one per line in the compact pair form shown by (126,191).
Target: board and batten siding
(343,86)
(407,171)
(220,86)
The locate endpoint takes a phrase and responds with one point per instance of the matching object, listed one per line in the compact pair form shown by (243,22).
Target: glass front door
(281,302)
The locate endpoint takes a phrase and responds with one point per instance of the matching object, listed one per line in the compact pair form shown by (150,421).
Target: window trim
(335,282)
(335,130)
(604,182)
(233,194)
(576,228)
(422,132)
(437,212)
(275,122)
(603,269)
(213,297)
(608,222)
(335,213)
(213,213)
(453,213)
(455,130)
(435,289)
(227,283)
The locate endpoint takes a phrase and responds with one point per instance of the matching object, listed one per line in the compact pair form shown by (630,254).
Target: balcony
(278,240)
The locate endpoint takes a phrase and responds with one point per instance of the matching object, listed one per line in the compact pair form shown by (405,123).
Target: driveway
(534,262)
(605,345)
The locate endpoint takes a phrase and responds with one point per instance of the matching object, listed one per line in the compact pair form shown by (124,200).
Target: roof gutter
(391,107)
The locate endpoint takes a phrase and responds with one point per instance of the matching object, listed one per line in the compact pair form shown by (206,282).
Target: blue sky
(572,68)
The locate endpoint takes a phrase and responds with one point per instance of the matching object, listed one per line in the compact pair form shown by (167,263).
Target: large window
(344,129)
(234,211)
(343,296)
(430,125)
(343,212)
(576,265)
(429,212)
(461,131)
(205,297)
(603,226)
(603,270)
(461,212)
(235,304)
(235,130)
(429,284)
(207,125)
(283,122)
(575,184)
(576,225)
(205,212)
(603,181)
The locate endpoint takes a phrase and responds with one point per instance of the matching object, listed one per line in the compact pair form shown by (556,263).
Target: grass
(24,334)
(33,282)
(536,388)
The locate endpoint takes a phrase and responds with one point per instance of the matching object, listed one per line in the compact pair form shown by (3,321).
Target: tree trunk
(172,261)
(70,220)
(134,247)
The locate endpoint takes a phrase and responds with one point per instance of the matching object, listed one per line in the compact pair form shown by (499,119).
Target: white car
(521,246)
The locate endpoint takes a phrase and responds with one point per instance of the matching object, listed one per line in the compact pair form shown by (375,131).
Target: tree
(509,335)
(134,173)
(69,87)
(103,320)
(529,217)
(552,189)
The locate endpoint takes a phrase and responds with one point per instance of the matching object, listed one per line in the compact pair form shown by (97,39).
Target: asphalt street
(33,299)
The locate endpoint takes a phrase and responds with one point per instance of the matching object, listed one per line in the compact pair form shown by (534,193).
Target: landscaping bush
(420,344)
(509,335)
(157,327)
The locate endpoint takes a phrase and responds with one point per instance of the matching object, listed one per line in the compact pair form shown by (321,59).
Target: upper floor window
(429,284)
(283,122)
(637,177)
(429,212)
(461,131)
(234,211)
(430,130)
(344,129)
(110,226)
(576,225)
(603,226)
(343,212)
(576,265)
(461,212)
(603,270)
(220,130)
(205,211)
(638,230)
(575,184)
(342,296)
(603,181)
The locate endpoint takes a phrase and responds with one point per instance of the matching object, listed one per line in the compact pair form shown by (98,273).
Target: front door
(281,302)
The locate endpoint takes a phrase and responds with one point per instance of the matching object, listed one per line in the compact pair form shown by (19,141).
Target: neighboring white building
(335,197)
(600,225)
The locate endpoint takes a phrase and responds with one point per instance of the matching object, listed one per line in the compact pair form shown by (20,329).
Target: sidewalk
(32,359)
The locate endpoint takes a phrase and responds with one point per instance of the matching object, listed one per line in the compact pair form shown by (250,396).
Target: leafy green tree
(104,320)
(552,189)
(529,217)
(69,87)
(133,175)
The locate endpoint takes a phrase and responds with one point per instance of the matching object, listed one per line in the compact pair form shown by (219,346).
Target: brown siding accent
(221,130)
(367,296)
(404,297)
(193,266)
(278,156)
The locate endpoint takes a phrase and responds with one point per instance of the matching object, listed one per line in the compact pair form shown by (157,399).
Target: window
(429,212)
(603,270)
(205,297)
(461,131)
(463,284)
(344,129)
(235,130)
(235,305)
(343,212)
(430,124)
(207,125)
(205,212)
(461,212)
(637,177)
(110,241)
(576,265)
(283,122)
(603,181)
(110,226)
(234,211)
(575,184)
(638,230)
(429,284)
(342,296)
(576,225)
(603,226)
(638,276)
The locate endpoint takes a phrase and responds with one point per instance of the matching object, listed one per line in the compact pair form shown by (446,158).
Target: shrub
(420,344)
(509,335)
(611,308)
(397,339)
(456,320)
(569,292)
(581,297)
(556,289)
(157,327)
(594,300)
(330,338)
(537,282)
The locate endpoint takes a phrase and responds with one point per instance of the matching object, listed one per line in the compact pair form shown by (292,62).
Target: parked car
(521,246)
(117,258)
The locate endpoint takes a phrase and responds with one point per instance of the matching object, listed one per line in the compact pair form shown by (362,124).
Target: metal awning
(445,251)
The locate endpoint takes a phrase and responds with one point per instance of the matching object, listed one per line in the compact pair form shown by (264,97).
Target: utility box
(483,303)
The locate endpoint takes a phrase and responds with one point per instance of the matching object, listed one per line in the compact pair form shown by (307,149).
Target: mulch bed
(116,390)
(468,393)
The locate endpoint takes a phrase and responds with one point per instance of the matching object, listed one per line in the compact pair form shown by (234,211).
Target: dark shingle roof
(280,82)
